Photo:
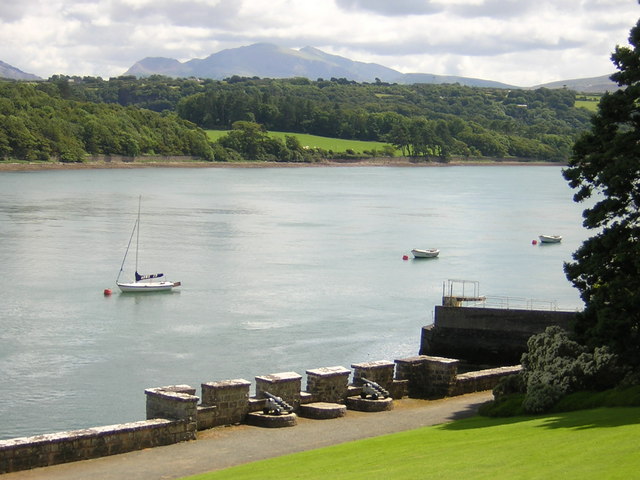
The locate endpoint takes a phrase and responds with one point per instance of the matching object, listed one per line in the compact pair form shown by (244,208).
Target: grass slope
(583,445)
(314,141)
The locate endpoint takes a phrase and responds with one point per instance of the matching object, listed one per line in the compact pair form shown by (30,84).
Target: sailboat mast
(138,232)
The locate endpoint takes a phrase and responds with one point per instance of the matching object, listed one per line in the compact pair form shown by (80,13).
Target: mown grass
(315,141)
(588,444)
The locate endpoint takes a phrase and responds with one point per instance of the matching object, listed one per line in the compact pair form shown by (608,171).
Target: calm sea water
(283,269)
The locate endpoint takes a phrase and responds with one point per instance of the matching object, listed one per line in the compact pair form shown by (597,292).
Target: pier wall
(486,336)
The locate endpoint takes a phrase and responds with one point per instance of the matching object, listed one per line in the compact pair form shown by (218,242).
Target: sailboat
(143,283)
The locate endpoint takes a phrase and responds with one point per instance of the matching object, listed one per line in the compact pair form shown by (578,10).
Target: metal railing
(517,303)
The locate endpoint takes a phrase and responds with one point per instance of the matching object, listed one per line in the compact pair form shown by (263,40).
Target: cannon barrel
(372,388)
(277,401)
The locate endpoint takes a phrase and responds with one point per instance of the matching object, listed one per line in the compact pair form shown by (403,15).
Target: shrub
(541,397)
(555,365)
(509,385)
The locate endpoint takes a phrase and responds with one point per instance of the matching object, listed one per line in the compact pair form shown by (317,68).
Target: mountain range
(266,60)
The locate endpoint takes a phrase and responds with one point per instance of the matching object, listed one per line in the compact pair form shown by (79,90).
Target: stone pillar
(231,399)
(380,372)
(428,377)
(286,385)
(175,402)
(328,384)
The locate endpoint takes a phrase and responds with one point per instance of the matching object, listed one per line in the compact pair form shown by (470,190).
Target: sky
(518,42)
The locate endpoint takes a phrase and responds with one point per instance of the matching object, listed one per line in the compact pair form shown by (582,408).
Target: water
(283,269)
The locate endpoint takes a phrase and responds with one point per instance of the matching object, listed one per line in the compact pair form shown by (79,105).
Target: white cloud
(513,41)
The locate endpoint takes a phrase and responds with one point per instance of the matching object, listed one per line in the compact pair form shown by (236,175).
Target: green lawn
(589,444)
(314,141)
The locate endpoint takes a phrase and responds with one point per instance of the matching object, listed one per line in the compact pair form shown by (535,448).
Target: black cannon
(373,390)
(275,405)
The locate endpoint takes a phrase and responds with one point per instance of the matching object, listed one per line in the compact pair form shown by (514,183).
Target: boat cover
(147,277)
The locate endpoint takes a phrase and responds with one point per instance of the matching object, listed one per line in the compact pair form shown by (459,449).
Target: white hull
(430,253)
(147,286)
(550,238)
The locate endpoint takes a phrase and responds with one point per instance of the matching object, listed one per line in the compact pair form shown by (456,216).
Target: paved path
(224,447)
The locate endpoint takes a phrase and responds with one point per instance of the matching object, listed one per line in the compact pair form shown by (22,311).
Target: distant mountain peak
(12,73)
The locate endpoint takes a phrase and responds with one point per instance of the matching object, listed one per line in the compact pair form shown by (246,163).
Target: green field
(588,444)
(590,102)
(314,141)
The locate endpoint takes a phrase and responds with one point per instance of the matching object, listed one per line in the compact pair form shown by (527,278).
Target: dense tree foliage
(605,167)
(420,120)
(36,123)
(434,120)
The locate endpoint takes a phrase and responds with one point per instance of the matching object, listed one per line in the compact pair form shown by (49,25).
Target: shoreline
(8,166)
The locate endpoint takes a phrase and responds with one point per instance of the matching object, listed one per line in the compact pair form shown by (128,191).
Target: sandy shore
(385,162)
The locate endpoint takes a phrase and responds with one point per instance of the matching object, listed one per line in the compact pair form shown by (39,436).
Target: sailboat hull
(147,286)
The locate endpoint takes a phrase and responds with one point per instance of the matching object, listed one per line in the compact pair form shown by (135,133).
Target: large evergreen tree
(605,168)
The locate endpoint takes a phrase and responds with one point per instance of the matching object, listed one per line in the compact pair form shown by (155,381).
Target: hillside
(585,85)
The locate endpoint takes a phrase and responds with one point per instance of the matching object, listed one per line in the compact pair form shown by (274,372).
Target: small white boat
(146,286)
(550,238)
(425,253)
(143,283)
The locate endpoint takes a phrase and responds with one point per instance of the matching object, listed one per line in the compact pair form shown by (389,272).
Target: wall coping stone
(490,371)
(329,371)
(423,358)
(377,363)
(238,382)
(177,396)
(280,377)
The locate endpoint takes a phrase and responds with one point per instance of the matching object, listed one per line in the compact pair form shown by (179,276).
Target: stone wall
(176,402)
(51,449)
(286,385)
(482,380)
(328,384)
(428,377)
(381,372)
(228,400)
(173,413)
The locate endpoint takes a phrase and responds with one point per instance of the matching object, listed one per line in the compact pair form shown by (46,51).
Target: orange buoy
(405,257)
(107,292)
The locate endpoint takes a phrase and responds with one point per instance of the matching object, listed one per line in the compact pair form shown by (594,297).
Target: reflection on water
(282,270)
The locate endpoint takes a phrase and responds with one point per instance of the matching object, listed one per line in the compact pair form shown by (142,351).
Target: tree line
(36,124)
(418,120)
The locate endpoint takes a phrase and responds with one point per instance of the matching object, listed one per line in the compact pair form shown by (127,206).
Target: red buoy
(107,292)
(405,257)
(534,242)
